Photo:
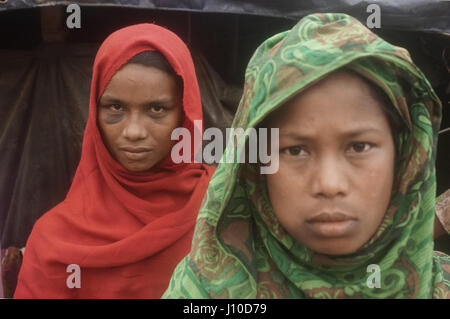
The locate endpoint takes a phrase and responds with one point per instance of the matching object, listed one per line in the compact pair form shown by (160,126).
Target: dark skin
(137,113)
(336,165)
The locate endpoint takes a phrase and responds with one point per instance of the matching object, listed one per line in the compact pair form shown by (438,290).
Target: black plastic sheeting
(413,15)
(43,110)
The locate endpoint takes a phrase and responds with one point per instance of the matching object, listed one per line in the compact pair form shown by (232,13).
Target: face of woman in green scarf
(336,165)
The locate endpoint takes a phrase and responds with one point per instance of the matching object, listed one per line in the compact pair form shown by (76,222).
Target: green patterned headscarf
(240,250)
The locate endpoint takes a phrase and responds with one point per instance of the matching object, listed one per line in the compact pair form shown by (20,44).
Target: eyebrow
(348,134)
(110,99)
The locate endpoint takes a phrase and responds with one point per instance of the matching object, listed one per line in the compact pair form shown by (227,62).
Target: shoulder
(184,283)
(49,229)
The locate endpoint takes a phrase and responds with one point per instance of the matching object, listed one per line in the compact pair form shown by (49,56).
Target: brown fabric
(11,260)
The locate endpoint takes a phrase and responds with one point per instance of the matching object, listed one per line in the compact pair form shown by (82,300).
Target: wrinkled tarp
(43,110)
(413,15)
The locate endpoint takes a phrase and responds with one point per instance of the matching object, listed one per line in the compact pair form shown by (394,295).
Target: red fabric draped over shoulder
(126,231)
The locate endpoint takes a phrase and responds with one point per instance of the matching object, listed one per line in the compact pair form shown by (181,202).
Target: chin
(335,248)
(137,168)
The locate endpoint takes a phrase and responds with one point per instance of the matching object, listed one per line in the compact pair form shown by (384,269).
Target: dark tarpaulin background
(42,111)
(427,15)
(45,77)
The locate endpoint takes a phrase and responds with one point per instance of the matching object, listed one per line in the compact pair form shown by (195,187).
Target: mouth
(334,224)
(136,153)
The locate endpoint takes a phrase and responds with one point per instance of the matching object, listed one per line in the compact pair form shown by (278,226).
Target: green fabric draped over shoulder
(240,250)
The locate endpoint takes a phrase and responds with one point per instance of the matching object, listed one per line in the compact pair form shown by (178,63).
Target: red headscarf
(126,231)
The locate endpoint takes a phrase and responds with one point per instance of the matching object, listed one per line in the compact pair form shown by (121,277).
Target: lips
(330,217)
(135,153)
(334,224)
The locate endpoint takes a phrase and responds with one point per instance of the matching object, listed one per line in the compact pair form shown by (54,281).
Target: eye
(295,151)
(157,109)
(360,147)
(116,107)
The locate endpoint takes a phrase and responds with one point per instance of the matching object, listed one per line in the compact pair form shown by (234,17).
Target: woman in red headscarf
(129,216)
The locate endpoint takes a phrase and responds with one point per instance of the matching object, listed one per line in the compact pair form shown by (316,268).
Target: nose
(135,129)
(329,178)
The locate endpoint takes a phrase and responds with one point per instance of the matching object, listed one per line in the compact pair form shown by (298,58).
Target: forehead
(135,80)
(342,98)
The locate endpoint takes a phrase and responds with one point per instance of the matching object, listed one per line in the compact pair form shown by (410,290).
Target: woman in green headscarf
(350,211)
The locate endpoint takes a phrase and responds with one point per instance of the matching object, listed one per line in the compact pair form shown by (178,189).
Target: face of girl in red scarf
(138,111)
(336,167)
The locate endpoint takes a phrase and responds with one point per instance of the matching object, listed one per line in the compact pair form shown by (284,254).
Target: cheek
(161,135)
(162,132)
(110,133)
(172,121)
(286,193)
(375,186)
(278,186)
